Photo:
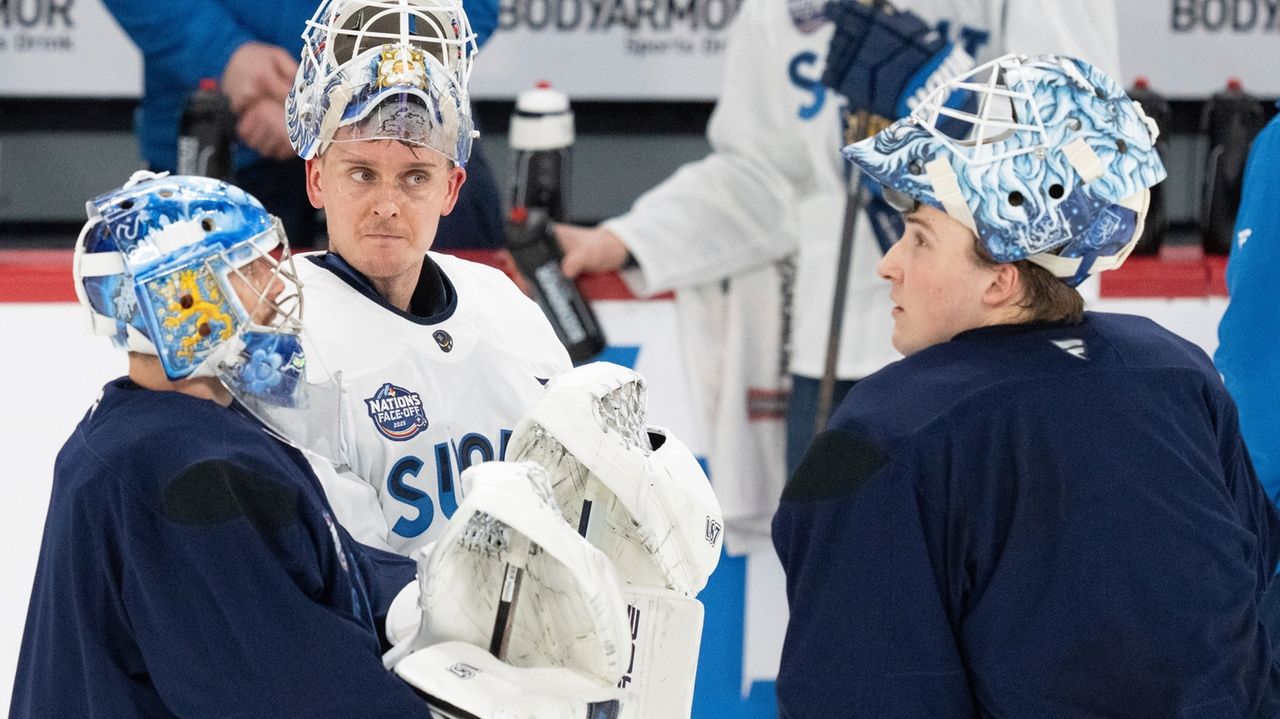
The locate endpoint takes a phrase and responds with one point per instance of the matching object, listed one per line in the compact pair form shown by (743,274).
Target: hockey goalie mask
(155,265)
(384,70)
(1043,158)
(158,265)
(635,491)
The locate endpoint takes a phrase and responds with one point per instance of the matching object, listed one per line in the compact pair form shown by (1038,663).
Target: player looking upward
(1040,511)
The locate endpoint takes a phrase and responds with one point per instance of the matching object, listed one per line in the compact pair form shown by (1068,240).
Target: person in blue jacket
(1040,511)
(1249,335)
(190,564)
(252,49)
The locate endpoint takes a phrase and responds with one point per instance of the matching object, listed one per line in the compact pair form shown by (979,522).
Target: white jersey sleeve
(356,503)
(739,202)
(774,182)
(425,397)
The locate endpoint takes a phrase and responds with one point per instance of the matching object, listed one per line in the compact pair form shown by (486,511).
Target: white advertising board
(641,49)
(1189,48)
(607,49)
(65,48)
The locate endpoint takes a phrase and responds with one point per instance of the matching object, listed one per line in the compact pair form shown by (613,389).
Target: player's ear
(1005,286)
(314,191)
(457,176)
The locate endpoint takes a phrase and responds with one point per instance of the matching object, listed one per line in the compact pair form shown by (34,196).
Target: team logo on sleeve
(396,412)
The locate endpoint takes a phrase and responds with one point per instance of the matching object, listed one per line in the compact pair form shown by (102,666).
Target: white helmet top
(384,70)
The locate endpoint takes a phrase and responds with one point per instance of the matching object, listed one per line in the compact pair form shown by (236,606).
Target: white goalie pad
(462,681)
(566,607)
(652,510)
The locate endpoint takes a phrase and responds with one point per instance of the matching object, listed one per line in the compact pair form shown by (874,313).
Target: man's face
(937,283)
(383,200)
(258,286)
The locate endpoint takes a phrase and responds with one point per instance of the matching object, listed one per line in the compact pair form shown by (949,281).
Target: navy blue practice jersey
(1031,521)
(191,567)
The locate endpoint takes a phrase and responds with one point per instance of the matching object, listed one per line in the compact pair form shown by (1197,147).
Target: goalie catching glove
(510,575)
(648,504)
(637,493)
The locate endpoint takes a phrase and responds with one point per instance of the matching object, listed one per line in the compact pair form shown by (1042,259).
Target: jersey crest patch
(396,412)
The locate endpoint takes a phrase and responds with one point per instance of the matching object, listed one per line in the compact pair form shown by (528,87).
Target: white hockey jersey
(424,398)
(775,181)
(774,186)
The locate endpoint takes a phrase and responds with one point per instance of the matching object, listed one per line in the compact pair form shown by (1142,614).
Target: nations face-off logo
(396,412)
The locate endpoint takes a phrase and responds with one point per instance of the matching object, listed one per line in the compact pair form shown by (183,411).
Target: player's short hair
(1046,298)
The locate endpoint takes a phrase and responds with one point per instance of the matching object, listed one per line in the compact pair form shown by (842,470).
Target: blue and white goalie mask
(196,272)
(1044,158)
(384,70)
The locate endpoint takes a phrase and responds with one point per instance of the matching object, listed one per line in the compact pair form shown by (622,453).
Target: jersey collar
(434,299)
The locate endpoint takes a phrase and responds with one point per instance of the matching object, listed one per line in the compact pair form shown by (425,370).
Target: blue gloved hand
(483,15)
(884,60)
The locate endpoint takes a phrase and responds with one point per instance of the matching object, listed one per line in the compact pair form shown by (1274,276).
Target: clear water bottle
(206,133)
(541,139)
(1157,108)
(1231,120)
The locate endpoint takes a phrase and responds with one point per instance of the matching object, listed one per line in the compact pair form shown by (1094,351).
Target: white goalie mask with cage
(635,491)
(162,265)
(1044,158)
(384,70)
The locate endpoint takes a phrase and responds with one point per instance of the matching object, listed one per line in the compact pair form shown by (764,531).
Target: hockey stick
(860,125)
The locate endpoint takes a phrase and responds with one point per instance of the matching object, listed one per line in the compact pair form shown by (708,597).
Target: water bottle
(541,138)
(1157,108)
(1231,120)
(533,247)
(205,133)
